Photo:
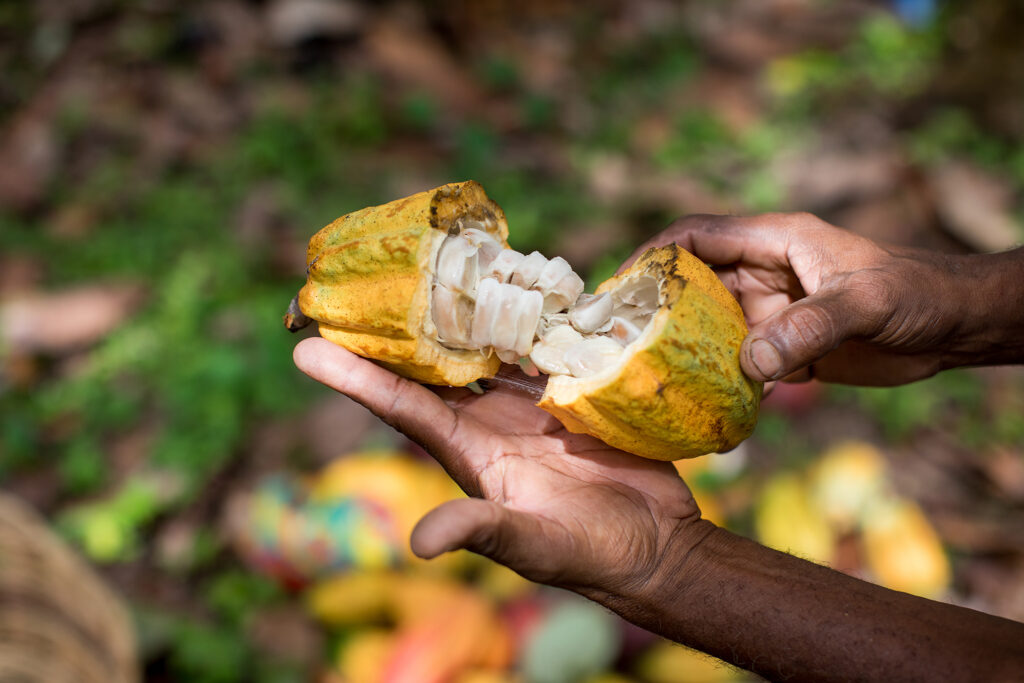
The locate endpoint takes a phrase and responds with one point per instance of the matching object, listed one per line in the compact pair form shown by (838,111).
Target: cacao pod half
(428,287)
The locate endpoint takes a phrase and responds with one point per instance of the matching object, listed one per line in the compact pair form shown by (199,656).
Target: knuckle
(804,219)
(872,297)
(800,220)
(696,222)
(815,329)
(690,220)
(487,538)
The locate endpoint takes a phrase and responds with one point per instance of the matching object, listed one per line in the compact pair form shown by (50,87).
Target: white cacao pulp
(516,305)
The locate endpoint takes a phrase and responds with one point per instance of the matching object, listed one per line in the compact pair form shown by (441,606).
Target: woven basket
(58,621)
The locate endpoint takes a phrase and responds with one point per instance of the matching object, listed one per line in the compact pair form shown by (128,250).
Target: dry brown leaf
(894,218)
(287,633)
(289,22)
(815,178)
(61,322)
(19,273)
(1005,468)
(29,157)
(975,206)
(414,57)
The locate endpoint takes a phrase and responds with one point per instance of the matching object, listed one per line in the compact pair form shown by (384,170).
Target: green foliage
(420,111)
(233,594)
(19,436)
(206,653)
(734,162)
(110,530)
(639,74)
(887,58)
(903,410)
(607,265)
(82,466)
(950,133)
(784,437)
(538,111)
(476,150)
(209,650)
(499,72)
(697,138)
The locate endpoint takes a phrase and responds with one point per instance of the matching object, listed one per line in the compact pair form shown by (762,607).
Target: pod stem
(294,318)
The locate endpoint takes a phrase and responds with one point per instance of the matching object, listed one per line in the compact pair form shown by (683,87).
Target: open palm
(557,507)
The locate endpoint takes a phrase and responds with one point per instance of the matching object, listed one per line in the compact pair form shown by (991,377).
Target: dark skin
(568,510)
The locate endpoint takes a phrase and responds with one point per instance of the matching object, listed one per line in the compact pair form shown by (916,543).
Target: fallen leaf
(814,177)
(290,22)
(897,217)
(61,322)
(72,221)
(1005,468)
(29,157)
(418,59)
(975,206)
(286,632)
(19,273)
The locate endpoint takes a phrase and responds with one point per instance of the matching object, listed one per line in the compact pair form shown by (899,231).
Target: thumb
(506,536)
(802,333)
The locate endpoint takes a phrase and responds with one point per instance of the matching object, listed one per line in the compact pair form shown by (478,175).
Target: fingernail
(765,358)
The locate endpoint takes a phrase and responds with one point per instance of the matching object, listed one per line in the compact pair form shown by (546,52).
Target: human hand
(559,508)
(824,302)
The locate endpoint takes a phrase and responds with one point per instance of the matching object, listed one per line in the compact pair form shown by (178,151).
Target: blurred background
(163,164)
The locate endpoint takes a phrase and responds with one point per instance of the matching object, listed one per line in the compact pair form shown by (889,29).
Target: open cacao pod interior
(491,298)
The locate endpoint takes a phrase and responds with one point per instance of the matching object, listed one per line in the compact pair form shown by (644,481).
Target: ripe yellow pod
(678,391)
(368,281)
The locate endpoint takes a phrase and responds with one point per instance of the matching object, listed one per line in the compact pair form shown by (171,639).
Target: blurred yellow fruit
(408,487)
(690,470)
(503,584)
(667,662)
(442,627)
(848,478)
(786,520)
(359,659)
(609,678)
(351,598)
(903,550)
(360,596)
(709,507)
(478,676)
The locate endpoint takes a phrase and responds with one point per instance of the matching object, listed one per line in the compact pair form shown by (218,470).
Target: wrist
(987,293)
(681,563)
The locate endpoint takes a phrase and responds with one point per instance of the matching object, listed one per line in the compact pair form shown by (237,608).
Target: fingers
(511,537)
(410,408)
(722,240)
(787,342)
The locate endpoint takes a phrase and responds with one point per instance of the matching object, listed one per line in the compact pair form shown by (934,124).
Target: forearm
(989,291)
(787,618)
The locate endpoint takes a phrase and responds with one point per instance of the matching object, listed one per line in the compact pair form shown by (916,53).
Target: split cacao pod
(649,363)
